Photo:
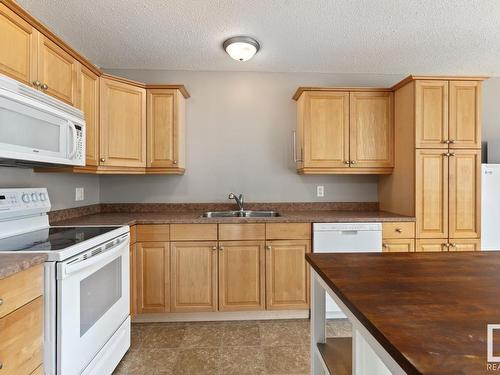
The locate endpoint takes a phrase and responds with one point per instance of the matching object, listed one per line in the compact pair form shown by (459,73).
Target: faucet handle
(241,198)
(231,196)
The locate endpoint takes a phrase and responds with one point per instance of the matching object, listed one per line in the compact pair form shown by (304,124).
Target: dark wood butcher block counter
(429,311)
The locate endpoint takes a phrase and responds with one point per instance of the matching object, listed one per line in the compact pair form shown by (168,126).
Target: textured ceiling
(348,36)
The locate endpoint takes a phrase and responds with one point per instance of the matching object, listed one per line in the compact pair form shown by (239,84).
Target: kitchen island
(412,313)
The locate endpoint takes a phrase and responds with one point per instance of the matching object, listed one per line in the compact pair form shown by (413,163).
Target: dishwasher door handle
(349,232)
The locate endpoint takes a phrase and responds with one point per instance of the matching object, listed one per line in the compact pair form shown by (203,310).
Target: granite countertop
(11,263)
(194,217)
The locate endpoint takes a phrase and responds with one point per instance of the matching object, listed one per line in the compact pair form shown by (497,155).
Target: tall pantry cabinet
(437,161)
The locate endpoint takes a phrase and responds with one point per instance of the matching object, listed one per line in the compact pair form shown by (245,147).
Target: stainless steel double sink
(243,213)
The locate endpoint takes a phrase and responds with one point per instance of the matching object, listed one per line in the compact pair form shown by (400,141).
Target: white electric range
(86,294)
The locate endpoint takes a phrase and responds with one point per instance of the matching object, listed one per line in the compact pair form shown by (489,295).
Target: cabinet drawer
(398,230)
(193,232)
(133,234)
(290,231)
(398,245)
(240,232)
(21,346)
(19,289)
(153,232)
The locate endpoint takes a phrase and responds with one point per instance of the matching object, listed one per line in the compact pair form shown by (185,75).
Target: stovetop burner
(52,239)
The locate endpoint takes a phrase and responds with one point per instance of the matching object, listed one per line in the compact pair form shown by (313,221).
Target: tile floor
(276,347)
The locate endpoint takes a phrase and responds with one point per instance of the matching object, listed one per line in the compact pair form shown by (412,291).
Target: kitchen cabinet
(18,46)
(371,138)
(344,131)
(194,276)
(398,245)
(287,274)
(431,190)
(89,104)
(57,71)
(465,114)
(21,321)
(464,244)
(123,124)
(241,275)
(398,230)
(165,131)
(153,277)
(431,244)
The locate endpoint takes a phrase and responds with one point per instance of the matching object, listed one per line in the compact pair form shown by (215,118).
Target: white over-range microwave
(36,129)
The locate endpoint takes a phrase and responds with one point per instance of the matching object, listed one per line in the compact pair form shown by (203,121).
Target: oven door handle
(78,264)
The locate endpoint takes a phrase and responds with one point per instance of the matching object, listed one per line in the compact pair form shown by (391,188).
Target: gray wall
(239,139)
(61,186)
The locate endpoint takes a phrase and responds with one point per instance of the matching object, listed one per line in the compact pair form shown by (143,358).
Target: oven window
(98,293)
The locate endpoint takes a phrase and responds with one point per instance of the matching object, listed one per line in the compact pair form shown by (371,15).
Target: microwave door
(30,133)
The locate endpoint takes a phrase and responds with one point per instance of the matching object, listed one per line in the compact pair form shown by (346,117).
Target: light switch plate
(320,191)
(79,194)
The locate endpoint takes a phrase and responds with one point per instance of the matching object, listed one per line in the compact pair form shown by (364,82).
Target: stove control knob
(43,197)
(26,198)
(34,197)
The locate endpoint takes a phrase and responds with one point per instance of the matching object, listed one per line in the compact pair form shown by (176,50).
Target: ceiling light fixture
(241,48)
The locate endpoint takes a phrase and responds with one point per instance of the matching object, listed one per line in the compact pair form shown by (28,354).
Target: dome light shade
(241,48)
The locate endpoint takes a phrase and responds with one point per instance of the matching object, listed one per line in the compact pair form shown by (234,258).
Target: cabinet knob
(347,162)
(36,83)
(446,141)
(102,160)
(399,230)
(452,154)
(175,161)
(384,245)
(221,248)
(1,301)
(1,365)
(453,245)
(268,247)
(353,161)
(452,141)
(214,248)
(44,86)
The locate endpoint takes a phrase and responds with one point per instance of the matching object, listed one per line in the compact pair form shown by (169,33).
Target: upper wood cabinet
(57,71)
(89,104)
(344,132)
(18,47)
(371,132)
(241,275)
(123,124)
(287,281)
(465,114)
(447,114)
(153,277)
(194,276)
(165,131)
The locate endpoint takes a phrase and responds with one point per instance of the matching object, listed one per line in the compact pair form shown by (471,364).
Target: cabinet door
(371,130)
(18,47)
(153,277)
(241,275)
(89,104)
(57,69)
(165,128)
(431,189)
(123,124)
(431,114)
(326,129)
(465,194)
(465,120)
(287,275)
(398,245)
(194,276)
(435,244)
(465,244)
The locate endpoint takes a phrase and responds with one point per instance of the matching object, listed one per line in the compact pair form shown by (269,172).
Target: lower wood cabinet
(287,275)
(398,245)
(241,275)
(465,244)
(452,244)
(431,244)
(194,276)
(153,277)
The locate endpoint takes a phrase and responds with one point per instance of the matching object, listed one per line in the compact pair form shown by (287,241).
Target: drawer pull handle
(399,230)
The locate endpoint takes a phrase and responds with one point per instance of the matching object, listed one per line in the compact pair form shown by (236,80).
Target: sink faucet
(238,199)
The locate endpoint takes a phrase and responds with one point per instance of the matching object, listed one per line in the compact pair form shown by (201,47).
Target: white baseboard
(335,315)
(219,316)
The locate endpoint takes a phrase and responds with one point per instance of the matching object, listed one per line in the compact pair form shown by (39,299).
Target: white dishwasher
(345,238)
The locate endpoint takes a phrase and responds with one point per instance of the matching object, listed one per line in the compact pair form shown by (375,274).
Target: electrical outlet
(79,194)
(320,191)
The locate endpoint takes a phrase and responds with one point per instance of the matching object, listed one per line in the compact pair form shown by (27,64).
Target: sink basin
(241,214)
